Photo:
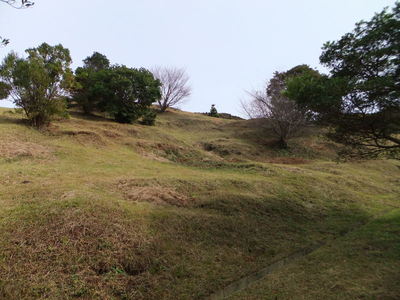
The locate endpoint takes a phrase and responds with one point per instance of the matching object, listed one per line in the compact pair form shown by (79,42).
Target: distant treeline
(358,100)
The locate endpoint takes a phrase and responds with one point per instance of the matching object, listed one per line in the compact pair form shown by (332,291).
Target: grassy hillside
(93,209)
(364,264)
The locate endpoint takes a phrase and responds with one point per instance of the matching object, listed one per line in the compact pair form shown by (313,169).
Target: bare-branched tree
(283,114)
(175,87)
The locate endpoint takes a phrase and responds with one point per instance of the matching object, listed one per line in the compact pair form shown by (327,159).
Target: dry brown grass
(152,192)
(12,149)
(83,253)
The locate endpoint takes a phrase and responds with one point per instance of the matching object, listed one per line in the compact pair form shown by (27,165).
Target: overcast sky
(226,46)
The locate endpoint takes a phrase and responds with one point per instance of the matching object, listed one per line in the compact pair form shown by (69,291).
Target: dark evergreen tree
(360,98)
(91,81)
(213,111)
(129,93)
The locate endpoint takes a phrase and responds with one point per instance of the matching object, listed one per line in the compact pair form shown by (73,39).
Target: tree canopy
(96,62)
(125,93)
(39,83)
(361,96)
(91,90)
(131,93)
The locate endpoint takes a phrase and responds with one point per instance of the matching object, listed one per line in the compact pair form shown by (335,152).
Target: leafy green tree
(130,93)
(40,83)
(91,81)
(213,111)
(361,96)
(125,93)
(316,92)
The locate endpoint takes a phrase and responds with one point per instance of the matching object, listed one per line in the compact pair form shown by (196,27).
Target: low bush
(149,118)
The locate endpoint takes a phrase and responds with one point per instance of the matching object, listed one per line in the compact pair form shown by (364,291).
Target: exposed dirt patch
(153,192)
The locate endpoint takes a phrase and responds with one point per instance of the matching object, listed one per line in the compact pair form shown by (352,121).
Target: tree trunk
(282,143)
(163,105)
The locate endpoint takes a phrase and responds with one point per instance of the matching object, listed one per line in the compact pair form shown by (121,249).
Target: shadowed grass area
(362,265)
(92,209)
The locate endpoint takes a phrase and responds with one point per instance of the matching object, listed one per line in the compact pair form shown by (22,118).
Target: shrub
(149,117)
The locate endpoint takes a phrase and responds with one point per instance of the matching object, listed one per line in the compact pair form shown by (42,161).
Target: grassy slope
(364,264)
(97,210)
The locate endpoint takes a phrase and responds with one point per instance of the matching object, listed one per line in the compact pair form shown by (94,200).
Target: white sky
(226,46)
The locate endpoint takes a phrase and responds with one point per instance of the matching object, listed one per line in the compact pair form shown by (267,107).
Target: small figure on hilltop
(213,111)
